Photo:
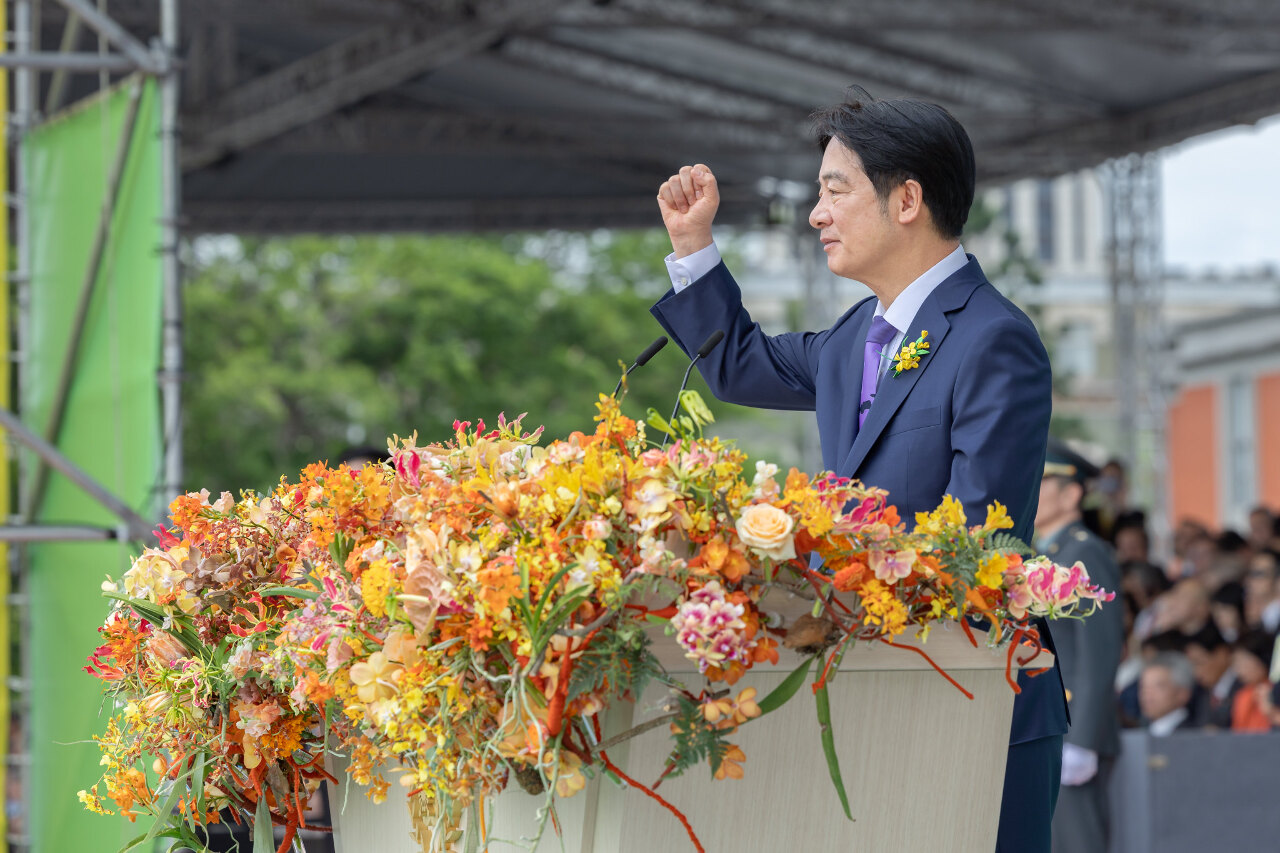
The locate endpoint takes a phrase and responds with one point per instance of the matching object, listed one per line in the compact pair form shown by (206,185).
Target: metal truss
(506,214)
(388,130)
(1135,254)
(1059,148)
(650,81)
(351,70)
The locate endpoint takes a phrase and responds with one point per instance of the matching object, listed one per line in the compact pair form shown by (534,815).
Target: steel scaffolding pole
(171,187)
(1135,260)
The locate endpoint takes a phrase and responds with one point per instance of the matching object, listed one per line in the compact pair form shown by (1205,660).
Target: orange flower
(498,584)
(850,577)
(727,562)
(731,764)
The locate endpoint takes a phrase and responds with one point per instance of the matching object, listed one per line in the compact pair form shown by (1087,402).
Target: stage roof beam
(353,69)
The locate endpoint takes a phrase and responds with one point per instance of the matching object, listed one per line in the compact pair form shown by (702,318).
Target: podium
(922,764)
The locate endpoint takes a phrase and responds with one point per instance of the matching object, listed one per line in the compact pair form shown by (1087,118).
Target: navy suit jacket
(971,421)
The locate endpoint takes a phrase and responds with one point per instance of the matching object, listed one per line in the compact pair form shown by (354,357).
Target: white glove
(1079,765)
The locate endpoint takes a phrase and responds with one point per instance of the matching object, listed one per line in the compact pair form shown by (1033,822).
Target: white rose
(768,529)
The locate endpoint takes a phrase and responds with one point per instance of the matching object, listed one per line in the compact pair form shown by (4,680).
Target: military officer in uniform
(1088,652)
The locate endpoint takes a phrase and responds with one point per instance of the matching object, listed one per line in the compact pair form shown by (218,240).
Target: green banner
(111,427)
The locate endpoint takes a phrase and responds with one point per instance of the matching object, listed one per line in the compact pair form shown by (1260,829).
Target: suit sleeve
(1098,646)
(748,368)
(1001,404)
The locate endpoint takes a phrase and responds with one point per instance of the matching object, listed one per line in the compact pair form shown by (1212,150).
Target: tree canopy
(299,347)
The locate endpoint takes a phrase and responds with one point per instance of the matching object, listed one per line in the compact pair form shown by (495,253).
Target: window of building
(1044,221)
(1078,217)
(1241,462)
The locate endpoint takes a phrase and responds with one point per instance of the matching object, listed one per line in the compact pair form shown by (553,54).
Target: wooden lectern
(922,764)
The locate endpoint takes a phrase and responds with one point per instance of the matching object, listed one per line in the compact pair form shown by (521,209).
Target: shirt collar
(904,308)
(1167,724)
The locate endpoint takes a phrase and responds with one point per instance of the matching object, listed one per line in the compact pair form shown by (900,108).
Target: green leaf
(829,744)
(781,694)
(197,785)
(691,401)
(659,423)
(291,592)
(263,838)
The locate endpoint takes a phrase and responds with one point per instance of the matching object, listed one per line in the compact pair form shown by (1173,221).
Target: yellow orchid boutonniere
(909,356)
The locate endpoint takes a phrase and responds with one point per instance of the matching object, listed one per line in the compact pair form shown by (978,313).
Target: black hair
(1260,644)
(1231,542)
(1172,640)
(901,139)
(1231,594)
(377,455)
(1208,638)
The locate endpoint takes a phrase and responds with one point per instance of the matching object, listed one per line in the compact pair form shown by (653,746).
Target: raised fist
(688,202)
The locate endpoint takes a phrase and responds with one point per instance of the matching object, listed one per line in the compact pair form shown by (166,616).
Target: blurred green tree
(299,347)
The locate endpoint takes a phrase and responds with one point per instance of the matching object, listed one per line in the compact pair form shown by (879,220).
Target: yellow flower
(373,678)
(991,570)
(569,776)
(997,517)
(949,514)
(374,584)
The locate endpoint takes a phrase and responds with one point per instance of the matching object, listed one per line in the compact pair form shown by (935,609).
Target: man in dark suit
(1089,654)
(969,419)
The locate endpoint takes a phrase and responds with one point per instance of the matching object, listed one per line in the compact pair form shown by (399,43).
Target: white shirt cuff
(690,268)
(1079,765)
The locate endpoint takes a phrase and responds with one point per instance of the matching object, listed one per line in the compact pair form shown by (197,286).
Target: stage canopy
(372,115)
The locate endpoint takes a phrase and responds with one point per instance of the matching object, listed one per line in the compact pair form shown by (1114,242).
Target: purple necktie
(881,332)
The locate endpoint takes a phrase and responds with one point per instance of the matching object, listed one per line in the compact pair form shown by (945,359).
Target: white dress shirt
(685,271)
(1167,724)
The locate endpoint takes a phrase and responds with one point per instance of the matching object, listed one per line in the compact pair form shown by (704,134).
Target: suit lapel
(849,406)
(892,390)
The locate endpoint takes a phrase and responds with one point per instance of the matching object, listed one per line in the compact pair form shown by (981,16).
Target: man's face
(1059,500)
(1209,666)
(855,229)
(1159,694)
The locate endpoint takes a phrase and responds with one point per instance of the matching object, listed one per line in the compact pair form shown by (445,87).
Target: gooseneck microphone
(641,360)
(707,346)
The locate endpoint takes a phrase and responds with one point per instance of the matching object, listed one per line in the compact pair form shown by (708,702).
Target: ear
(909,202)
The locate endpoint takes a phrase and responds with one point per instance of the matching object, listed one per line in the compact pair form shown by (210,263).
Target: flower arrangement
(460,617)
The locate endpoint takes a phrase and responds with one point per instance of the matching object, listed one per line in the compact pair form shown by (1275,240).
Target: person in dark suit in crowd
(1164,693)
(1216,681)
(1131,715)
(969,418)
(1089,653)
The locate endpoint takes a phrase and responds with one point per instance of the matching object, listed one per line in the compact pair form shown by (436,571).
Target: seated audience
(1186,608)
(1252,664)
(1216,682)
(1128,676)
(1164,693)
(1227,610)
(1262,592)
(1261,527)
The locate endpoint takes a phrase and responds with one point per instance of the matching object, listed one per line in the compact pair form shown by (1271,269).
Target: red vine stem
(1008,666)
(290,829)
(939,669)
(657,798)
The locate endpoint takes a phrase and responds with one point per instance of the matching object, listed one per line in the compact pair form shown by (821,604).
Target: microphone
(641,360)
(708,345)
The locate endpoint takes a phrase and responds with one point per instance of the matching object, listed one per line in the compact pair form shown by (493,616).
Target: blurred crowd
(1200,632)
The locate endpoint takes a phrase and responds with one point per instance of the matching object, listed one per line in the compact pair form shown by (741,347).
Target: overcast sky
(1222,199)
